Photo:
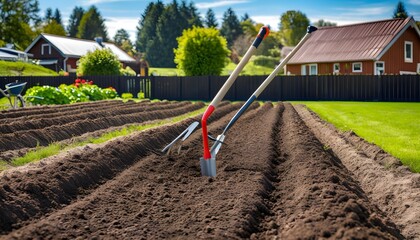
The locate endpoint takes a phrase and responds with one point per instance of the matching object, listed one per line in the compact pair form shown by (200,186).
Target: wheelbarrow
(13,93)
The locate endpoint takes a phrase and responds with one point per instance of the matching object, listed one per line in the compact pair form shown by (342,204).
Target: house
(63,53)
(382,47)
(9,54)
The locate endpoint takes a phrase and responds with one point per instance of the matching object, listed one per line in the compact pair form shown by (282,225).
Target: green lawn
(250,69)
(24,69)
(395,127)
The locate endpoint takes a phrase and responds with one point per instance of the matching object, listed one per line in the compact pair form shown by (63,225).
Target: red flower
(77,81)
(77,84)
(90,82)
(83,81)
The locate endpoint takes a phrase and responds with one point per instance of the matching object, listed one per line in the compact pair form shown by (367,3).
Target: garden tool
(220,139)
(264,31)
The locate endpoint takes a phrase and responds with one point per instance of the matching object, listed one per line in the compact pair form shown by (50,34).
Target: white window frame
(303,70)
(45,45)
(418,68)
(316,69)
(375,67)
(336,71)
(410,58)
(354,64)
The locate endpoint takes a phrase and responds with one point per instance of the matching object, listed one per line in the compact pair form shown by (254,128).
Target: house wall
(327,68)
(394,57)
(36,50)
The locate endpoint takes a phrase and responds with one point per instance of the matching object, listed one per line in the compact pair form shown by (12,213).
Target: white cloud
(129,24)
(364,11)
(414,2)
(94,2)
(222,3)
(273,21)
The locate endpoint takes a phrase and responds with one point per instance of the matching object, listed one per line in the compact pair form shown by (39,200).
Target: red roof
(356,42)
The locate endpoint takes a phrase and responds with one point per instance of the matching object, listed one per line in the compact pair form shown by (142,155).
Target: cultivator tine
(181,138)
(217,145)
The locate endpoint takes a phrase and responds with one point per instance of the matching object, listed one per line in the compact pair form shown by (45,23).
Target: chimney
(9,45)
(99,40)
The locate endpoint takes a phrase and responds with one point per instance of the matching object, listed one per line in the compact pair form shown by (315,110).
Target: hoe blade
(208,167)
(181,137)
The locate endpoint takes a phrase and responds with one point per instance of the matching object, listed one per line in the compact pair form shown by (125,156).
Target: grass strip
(393,126)
(56,148)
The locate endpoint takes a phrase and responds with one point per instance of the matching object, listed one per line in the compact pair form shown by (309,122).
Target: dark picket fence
(282,88)
(328,88)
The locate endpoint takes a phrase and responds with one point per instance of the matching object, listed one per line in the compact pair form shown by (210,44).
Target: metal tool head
(181,138)
(217,145)
(208,167)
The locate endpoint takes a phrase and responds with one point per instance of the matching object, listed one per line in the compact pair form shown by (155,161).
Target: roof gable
(363,41)
(74,47)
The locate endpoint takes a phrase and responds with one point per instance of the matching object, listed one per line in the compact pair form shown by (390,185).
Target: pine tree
(120,36)
(48,15)
(400,11)
(231,28)
(57,16)
(92,25)
(74,21)
(146,31)
(210,19)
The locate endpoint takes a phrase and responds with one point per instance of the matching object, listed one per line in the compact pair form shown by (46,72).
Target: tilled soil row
(391,186)
(39,110)
(274,180)
(92,113)
(31,192)
(42,137)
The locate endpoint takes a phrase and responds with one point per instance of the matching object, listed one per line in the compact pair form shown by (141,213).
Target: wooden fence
(330,88)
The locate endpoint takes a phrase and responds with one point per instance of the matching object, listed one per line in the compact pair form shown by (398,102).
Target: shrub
(266,61)
(43,95)
(126,96)
(98,63)
(128,71)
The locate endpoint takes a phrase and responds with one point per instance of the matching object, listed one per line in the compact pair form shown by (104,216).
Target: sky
(126,13)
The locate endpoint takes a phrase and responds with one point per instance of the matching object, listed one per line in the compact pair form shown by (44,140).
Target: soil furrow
(31,192)
(315,196)
(391,186)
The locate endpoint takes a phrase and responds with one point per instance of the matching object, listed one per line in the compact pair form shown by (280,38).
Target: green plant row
(80,91)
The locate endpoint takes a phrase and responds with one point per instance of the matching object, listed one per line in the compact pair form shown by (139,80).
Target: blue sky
(126,13)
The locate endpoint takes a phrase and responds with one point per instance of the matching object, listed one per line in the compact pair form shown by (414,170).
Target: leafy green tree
(92,25)
(201,51)
(292,28)
(210,20)
(55,28)
(322,23)
(74,21)
(120,36)
(400,11)
(231,27)
(19,16)
(98,63)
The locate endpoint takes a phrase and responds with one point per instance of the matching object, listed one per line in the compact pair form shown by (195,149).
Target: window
(336,68)
(379,68)
(313,69)
(418,68)
(303,70)
(408,51)
(45,49)
(357,67)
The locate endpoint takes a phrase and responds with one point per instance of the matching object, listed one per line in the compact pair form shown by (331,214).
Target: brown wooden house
(372,48)
(63,53)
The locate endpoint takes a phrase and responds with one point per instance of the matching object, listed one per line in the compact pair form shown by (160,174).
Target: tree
(57,16)
(55,28)
(98,63)
(146,31)
(201,51)
(292,27)
(92,25)
(210,20)
(48,15)
(19,16)
(120,36)
(74,21)
(400,11)
(231,28)
(322,23)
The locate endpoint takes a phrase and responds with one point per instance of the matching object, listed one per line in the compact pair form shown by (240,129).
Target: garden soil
(278,177)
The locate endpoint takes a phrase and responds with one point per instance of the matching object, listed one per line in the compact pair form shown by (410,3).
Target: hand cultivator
(208,161)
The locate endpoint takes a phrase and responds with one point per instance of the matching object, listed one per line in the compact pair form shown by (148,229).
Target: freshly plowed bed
(275,179)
